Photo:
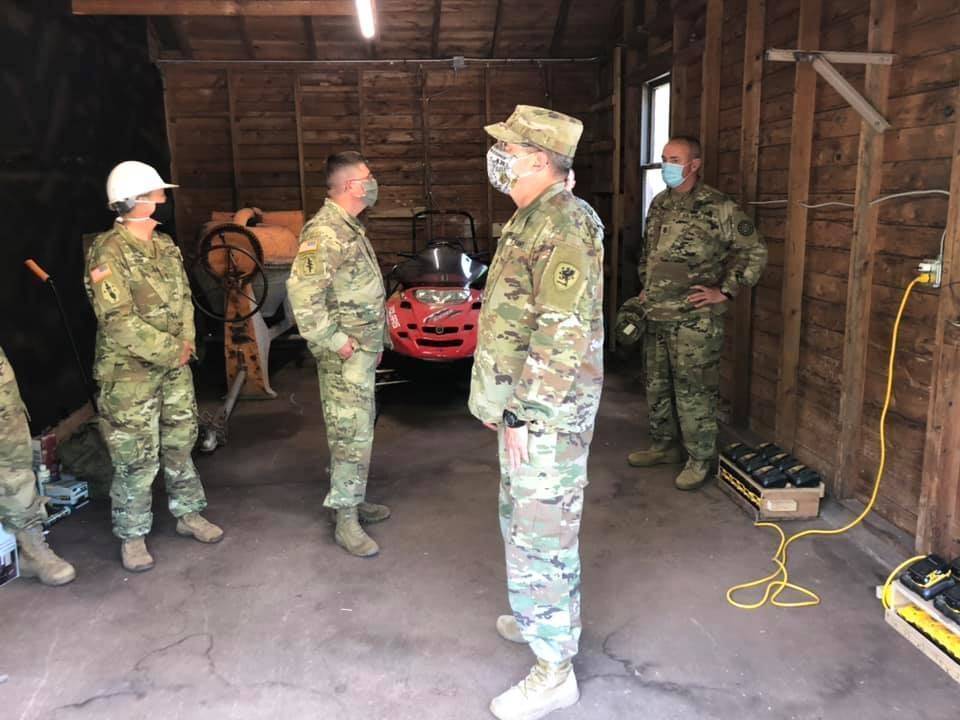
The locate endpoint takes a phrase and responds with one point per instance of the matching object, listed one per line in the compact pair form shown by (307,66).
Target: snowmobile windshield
(442,266)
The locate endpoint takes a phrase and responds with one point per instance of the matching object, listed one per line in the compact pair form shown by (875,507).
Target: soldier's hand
(490,426)
(643,296)
(347,350)
(515,443)
(703,296)
(186,352)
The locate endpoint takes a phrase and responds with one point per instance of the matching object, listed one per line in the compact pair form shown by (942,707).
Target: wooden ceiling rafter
(249,51)
(496,29)
(560,29)
(310,37)
(435,34)
(262,8)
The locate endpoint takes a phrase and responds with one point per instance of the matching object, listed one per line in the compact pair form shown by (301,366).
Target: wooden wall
(922,106)
(259,135)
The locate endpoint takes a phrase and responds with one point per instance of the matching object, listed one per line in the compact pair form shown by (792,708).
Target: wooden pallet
(900,597)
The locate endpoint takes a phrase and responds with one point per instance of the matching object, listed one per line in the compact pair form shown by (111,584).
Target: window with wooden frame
(655,133)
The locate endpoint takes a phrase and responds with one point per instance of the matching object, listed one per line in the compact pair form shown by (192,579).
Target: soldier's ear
(696,164)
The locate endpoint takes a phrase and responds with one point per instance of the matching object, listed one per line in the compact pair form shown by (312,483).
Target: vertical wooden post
(234,139)
(631,207)
(613,289)
(678,78)
(298,116)
(856,336)
(938,522)
(798,189)
(710,92)
(172,145)
(749,170)
(487,115)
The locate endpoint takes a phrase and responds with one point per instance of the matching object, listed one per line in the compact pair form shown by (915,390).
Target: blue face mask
(672,174)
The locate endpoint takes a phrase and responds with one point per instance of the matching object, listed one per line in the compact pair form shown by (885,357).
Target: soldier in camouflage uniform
(537,377)
(21,508)
(336,290)
(145,338)
(698,250)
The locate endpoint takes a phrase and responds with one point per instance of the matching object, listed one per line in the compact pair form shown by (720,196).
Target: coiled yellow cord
(779,579)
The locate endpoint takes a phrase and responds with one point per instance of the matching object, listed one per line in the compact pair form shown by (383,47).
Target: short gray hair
(562,164)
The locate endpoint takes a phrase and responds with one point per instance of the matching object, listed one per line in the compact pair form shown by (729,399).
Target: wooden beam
(179,210)
(631,210)
(248,50)
(837,58)
(496,29)
(616,162)
(710,92)
(153,40)
(856,336)
(560,28)
(678,79)
(798,188)
(183,39)
(488,120)
(301,161)
(264,8)
(749,170)
(234,139)
(310,38)
(435,36)
(938,522)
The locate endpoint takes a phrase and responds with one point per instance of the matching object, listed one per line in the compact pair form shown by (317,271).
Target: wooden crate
(789,503)
(900,597)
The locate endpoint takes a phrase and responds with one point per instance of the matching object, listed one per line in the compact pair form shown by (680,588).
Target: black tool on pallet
(929,577)
(783,460)
(737,450)
(769,449)
(802,476)
(751,462)
(948,603)
(770,477)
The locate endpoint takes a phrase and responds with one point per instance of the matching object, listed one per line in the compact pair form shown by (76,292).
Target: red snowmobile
(434,296)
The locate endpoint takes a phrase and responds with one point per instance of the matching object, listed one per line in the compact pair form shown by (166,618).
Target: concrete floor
(277,622)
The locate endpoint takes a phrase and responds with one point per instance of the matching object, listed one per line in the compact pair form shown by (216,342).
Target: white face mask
(500,169)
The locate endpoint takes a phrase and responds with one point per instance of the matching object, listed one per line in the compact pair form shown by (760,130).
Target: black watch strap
(511,420)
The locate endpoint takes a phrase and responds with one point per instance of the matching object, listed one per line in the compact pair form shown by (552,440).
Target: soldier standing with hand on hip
(698,250)
(337,294)
(537,377)
(145,339)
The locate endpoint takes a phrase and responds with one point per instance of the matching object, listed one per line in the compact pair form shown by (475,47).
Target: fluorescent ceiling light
(365,16)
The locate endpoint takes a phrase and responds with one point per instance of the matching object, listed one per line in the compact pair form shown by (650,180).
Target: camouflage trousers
(20,505)
(540,508)
(682,360)
(347,394)
(149,424)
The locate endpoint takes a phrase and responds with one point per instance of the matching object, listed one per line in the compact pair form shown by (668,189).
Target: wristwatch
(511,420)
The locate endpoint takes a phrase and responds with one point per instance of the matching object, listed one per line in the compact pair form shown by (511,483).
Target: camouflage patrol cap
(539,126)
(631,323)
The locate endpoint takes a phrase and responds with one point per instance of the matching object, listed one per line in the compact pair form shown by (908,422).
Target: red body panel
(433,332)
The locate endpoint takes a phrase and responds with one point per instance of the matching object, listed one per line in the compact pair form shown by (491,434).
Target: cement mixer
(242,263)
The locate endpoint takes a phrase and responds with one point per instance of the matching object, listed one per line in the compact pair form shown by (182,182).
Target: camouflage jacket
(335,285)
(696,238)
(11,414)
(141,297)
(540,335)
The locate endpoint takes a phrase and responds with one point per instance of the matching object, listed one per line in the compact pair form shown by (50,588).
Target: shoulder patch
(308,245)
(745,228)
(109,293)
(564,279)
(100,273)
(565,276)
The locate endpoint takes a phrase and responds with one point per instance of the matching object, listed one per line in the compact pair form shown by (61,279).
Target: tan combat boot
(509,629)
(548,687)
(39,561)
(657,454)
(371,513)
(351,537)
(693,475)
(135,556)
(199,528)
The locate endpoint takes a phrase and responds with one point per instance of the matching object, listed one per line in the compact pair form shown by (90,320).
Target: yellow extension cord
(779,579)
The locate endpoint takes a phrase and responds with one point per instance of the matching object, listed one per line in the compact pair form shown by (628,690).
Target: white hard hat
(131,179)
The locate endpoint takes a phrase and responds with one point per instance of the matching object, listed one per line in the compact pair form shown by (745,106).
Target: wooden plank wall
(922,106)
(237,137)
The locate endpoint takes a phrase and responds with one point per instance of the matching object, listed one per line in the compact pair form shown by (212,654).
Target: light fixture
(365,16)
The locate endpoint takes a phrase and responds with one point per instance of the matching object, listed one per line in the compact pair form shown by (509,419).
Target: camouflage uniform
(20,505)
(336,290)
(540,355)
(148,412)
(695,238)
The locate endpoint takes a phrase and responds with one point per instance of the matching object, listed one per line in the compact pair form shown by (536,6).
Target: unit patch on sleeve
(100,273)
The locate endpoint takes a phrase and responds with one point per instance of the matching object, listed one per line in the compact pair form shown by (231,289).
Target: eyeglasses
(368,176)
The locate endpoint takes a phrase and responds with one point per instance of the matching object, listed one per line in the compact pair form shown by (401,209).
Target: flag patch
(100,273)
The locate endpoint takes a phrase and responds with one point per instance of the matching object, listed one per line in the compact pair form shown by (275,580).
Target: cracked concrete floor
(277,622)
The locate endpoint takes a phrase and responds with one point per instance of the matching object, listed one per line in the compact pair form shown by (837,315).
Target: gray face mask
(371,191)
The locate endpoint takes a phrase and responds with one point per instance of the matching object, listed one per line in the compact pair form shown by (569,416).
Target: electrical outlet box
(933,266)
